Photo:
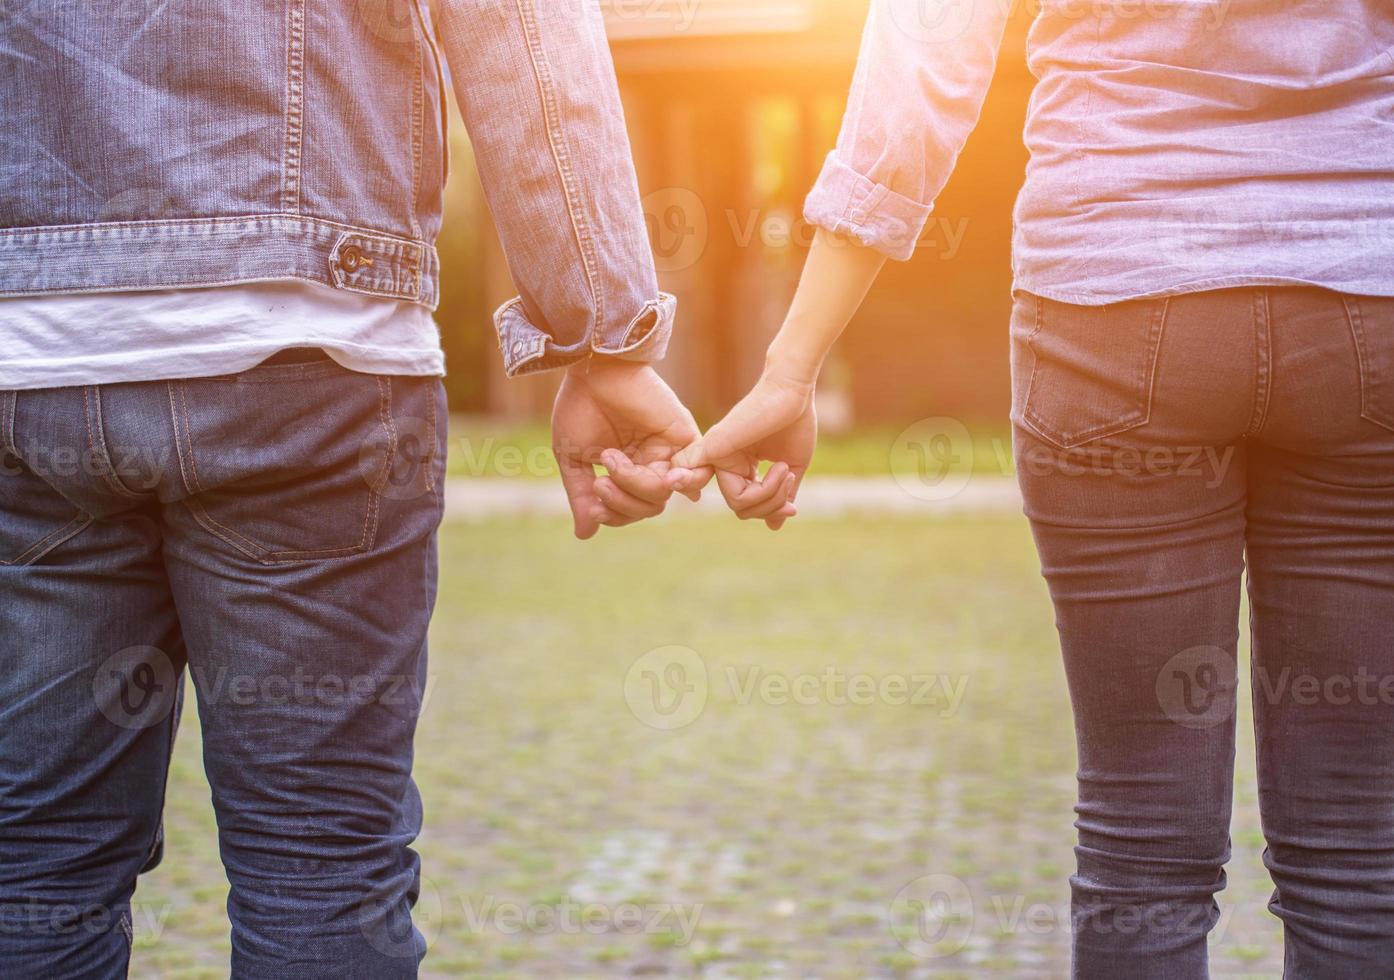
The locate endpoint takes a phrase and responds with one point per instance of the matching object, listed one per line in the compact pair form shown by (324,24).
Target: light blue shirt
(1176,145)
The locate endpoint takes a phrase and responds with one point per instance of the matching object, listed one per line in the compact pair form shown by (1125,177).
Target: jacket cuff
(527,349)
(845,202)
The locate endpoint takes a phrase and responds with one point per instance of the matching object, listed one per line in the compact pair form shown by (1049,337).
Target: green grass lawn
(767,834)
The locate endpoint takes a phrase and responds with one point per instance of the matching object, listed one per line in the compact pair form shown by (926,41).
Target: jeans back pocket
(1372,322)
(1086,372)
(34,517)
(291,462)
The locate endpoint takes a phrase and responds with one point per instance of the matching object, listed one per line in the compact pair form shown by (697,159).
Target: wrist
(790,358)
(599,368)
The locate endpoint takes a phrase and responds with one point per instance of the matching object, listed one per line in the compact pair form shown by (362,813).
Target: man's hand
(623,416)
(776,421)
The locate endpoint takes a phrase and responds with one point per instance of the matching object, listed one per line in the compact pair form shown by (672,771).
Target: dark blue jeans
(1160,444)
(272,536)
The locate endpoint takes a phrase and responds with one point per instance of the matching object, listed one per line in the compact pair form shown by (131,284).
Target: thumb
(755,417)
(578,479)
(694,457)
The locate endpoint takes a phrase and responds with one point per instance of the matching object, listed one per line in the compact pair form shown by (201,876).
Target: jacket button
(353,259)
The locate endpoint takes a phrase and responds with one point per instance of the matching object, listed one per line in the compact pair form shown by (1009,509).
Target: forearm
(838,275)
(537,89)
(922,76)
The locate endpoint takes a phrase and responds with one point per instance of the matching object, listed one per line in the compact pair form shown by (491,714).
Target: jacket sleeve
(536,84)
(921,80)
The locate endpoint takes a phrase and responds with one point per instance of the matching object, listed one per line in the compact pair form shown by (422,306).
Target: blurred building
(732,106)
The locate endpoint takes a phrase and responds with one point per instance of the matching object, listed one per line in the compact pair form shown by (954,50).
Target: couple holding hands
(216,251)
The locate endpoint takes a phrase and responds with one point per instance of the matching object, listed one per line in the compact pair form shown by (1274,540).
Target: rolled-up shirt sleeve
(537,88)
(922,76)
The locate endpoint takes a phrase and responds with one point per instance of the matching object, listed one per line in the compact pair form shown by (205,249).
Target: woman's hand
(776,421)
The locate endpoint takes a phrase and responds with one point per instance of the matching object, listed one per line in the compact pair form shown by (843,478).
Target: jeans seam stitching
(1357,329)
(435,440)
(178,443)
(552,124)
(293,142)
(418,121)
(1263,362)
(1154,357)
(50,541)
(189,438)
(96,441)
(8,408)
(207,522)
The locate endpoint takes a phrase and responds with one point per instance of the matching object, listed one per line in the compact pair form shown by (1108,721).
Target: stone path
(475,499)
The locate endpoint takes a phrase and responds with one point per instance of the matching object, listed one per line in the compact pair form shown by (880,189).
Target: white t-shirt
(107,338)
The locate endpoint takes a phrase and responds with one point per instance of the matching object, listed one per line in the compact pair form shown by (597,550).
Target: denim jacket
(179,144)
